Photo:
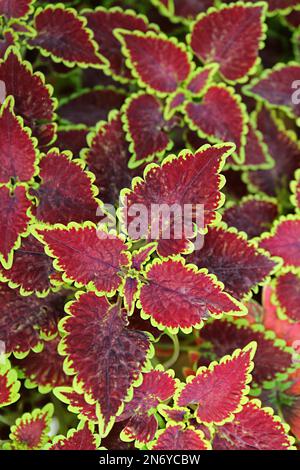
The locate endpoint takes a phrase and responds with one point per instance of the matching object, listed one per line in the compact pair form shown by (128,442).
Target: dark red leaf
(189,179)
(91,106)
(188,9)
(103,23)
(77,403)
(230,36)
(15,8)
(14,220)
(254,428)
(158,62)
(82,438)
(86,255)
(237,263)
(66,193)
(295,186)
(178,296)
(287,292)
(33,99)
(17,148)
(252,215)
(72,138)
(9,384)
(201,78)
(220,117)
(177,437)
(146,128)
(61,33)
(256,151)
(9,39)
(102,329)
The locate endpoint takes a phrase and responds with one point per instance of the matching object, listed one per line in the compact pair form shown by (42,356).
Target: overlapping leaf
(254,428)
(230,36)
(30,432)
(272,358)
(178,296)
(14,219)
(157,386)
(33,99)
(284,240)
(15,8)
(76,403)
(161,64)
(220,117)
(275,86)
(256,150)
(102,329)
(72,138)
(219,390)
(107,157)
(177,437)
(237,263)
(9,384)
(25,319)
(287,292)
(187,180)
(252,215)
(200,79)
(61,33)
(188,9)
(103,23)
(9,39)
(66,192)
(82,438)
(295,186)
(90,106)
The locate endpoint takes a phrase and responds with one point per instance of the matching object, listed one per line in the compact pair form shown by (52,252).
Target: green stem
(175,354)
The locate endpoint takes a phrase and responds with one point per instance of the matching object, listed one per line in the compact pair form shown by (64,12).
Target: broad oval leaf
(253,215)
(14,220)
(160,63)
(220,117)
(177,437)
(219,390)
(145,128)
(189,180)
(179,296)
(235,261)
(61,33)
(17,148)
(87,256)
(31,430)
(254,428)
(284,240)
(66,192)
(230,36)
(9,384)
(287,292)
(102,328)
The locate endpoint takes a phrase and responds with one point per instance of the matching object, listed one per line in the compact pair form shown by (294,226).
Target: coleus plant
(113,338)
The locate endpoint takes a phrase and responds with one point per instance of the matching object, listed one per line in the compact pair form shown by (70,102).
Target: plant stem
(175,354)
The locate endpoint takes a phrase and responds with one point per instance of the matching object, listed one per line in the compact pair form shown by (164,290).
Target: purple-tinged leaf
(9,384)
(177,437)
(15,8)
(287,294)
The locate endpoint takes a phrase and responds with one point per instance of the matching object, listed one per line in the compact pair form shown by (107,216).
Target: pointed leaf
(237,263)
(14,219)
(252,215)
(15,8)
(188,180)
(287,292)
(177,437)
(76,403)
(160,63)
(107,157)
(102,329)
(220,117)
(157,386)
(103,22)
(30,432)
(178,296)
(25,319)
(176,414)
(66,193)
(274,86)
(219,390)
(82,438)
(284,240)
(284,149)
(44,369)
(256,150)
(61,33)
(87,256)
(31,270)
(9,39)
(9,384)
(230,36)
(90,106)
(272,357)
(254,428)
(145,128)
(33,99)
(17,149)
(130,292)
(201,79)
